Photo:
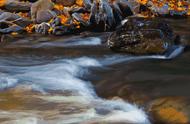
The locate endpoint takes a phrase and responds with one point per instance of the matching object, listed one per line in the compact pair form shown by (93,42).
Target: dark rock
(102,111)
(31,0)
(6,28)
(62,30)
(23,22)
(142,36)
(6,38)
(65,2)
(79,10)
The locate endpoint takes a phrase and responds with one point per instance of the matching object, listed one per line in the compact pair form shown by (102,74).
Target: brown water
(77,79)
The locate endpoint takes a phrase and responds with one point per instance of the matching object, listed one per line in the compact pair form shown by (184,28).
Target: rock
(177,8)
(23,22)
(80,19)
(42,28)
(102,111)
(164,10)
(142,36)
(65,2)
(56,22)
(41,11)
(134,5)
(44,16)
(16,6)
(7,27)
(170,110)
(62,30)
(7,16)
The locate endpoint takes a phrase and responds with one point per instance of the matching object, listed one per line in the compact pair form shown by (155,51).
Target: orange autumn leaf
(58,7)
(188,13)
(14,33)
(64,19)
(2,2)
(30,28)
(85,16)
(173,5)
(79,2)
(143,1)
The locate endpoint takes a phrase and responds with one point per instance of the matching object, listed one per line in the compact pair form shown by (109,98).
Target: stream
(76,79)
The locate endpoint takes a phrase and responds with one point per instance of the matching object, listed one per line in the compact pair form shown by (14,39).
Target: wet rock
(5,38)
(171,110)
(102,111)
(142,36)
(41,11)
(61,30)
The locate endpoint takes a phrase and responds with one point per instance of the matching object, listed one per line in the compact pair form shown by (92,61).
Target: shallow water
(77,79)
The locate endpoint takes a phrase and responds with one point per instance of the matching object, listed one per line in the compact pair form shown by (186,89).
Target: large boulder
(41,11)
(142,36)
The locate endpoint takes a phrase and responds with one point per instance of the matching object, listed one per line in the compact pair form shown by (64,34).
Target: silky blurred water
(66,81)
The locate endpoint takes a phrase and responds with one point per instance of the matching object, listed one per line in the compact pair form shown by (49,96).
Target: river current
(45,82)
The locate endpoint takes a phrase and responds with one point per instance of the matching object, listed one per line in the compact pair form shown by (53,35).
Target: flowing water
(76,79)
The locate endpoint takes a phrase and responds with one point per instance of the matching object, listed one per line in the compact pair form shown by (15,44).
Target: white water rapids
(66,75)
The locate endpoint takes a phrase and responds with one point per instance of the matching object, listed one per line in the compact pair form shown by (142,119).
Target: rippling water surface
(67,80)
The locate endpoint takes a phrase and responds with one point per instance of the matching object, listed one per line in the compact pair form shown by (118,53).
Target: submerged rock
(142,36)
(170,110)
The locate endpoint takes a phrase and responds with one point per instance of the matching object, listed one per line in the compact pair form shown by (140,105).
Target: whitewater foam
(90,41)
(65,75)
(116,59)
